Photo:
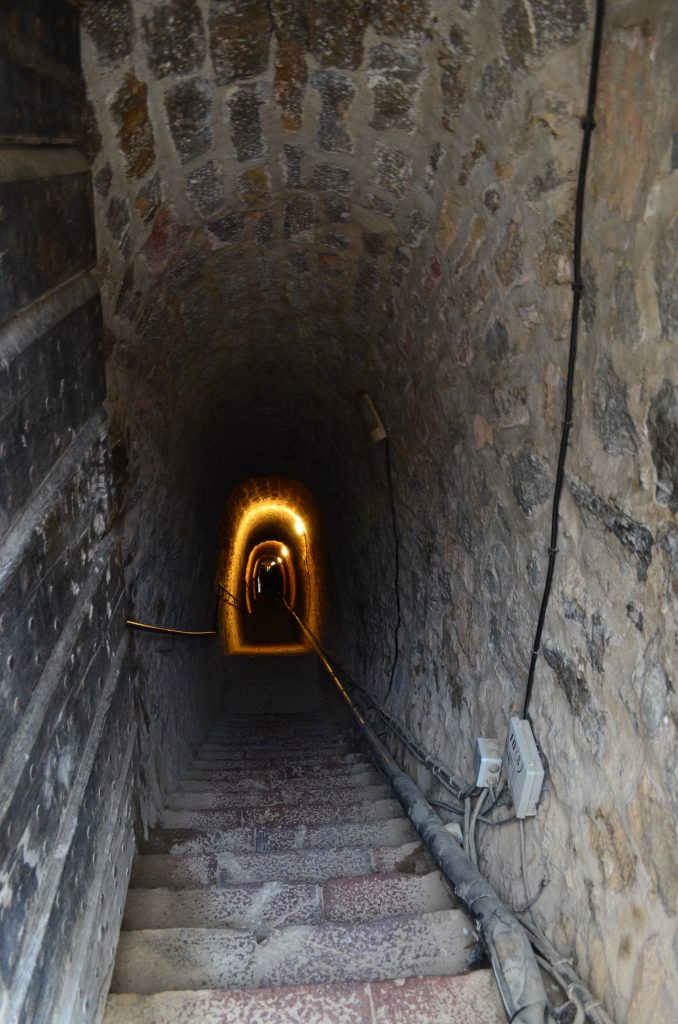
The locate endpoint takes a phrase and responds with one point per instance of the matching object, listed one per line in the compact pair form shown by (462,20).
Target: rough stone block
(254,186)
(246,133)
(205,188)
(662,428)
(289,20)
(166,241)
(611,418)
(291,75)
(406,19)
(149,198)
(174,38)
(262,228)
(393,169)
(666,277)
(530,480)
(335,31)
(326,178)
(240,34)
(228,229)
(103,180)
(508,262)
(110,25)
(635,538)
(393,75)
(336,93)
(135,131)
(496,88)
(117,221)
(299,218)
(189,113)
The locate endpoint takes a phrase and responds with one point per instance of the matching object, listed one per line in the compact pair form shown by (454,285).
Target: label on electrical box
(523,767)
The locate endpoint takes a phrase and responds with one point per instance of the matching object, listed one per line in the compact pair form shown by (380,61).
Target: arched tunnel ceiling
(291,194)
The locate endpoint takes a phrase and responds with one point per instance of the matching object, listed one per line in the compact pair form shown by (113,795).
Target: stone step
(462,999)
(289,814)
(200,958)
(217,799)
(327,769)
(192,870)
(283,757)
(263,780)
(260,727)
(261,907)
(271,838)
(292,718)
(256,908)
(367,898)
(317,747)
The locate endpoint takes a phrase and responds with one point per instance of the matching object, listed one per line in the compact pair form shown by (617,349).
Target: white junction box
(486,762)
(524,770)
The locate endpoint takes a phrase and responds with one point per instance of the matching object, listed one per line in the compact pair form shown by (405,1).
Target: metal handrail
(223,594)
(505,940)
(438,770)
(148,628)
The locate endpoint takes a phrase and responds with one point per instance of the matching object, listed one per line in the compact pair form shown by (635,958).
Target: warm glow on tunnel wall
(260,553)
(270,517)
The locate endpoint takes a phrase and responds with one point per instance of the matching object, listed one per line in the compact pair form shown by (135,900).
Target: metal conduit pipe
(503,937)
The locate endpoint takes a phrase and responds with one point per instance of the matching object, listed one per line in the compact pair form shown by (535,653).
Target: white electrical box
(486,762)
(523,766)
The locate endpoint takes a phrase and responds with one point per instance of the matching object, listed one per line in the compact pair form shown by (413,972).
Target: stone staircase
(285,884)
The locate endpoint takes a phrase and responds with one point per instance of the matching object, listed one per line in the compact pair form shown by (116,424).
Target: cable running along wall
(588,124)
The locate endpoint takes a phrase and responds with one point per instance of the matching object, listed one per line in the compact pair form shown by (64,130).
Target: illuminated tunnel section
(271,549)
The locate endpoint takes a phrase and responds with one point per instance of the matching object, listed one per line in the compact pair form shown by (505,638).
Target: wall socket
(524,770)
(486,762)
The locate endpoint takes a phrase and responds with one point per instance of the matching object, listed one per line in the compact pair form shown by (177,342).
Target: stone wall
(67,729)
(297,202)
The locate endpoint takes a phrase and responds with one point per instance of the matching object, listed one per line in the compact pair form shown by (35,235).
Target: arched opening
(271,559)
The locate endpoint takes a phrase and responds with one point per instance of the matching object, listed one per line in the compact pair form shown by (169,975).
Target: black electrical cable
(588,124)
(396,563)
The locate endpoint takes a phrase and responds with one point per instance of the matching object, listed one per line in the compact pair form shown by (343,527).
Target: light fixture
(299,526)
(284,551)
(376,424)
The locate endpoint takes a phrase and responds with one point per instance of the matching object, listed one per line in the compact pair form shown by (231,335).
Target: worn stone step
(289,814)
(462,999)
(371,897)
(271,838)
(261,727)
(173,959)
(261,907)
(217,799)
(260,781)
(257,907)
(316,747)
(275,718)
(314,768)
(283,757)
(277,737)
(193,869)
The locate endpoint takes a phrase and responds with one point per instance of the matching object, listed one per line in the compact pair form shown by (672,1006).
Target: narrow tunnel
(286,308)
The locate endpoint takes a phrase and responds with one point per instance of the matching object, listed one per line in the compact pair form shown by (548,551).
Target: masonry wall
(297,202)
(67,730)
